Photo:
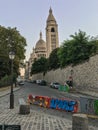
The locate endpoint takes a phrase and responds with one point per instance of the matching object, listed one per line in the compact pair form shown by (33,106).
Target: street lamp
(11,56)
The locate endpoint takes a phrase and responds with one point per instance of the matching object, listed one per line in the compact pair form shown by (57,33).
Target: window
(52,30)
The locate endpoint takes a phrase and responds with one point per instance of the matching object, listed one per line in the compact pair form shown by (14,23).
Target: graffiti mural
(89,105)
(63,104)
(54,103)
(39,100)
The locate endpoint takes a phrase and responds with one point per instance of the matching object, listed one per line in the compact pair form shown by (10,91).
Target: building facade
(42,48)
(52,40)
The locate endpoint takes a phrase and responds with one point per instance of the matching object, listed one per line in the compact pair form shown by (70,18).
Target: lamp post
(11,56)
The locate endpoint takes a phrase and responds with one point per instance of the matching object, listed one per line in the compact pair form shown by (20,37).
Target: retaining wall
(85,75)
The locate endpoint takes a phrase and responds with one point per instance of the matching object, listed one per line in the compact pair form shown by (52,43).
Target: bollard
(79,122)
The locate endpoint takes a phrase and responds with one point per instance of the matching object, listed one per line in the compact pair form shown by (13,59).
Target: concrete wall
(84,75)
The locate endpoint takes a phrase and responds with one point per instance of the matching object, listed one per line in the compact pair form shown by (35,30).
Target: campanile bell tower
(52,40)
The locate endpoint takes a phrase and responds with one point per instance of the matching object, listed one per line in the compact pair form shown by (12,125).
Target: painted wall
(83,105)
(64,104)
(85,75)
(89,105)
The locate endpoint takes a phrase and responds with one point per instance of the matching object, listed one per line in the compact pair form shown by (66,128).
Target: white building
(42,48)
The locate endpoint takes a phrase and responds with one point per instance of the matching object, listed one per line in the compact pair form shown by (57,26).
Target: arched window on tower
(52,30)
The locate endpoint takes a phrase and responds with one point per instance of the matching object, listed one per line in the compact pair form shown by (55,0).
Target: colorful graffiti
(62,104)
(53,103)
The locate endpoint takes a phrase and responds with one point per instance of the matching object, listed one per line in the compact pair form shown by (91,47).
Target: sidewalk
(89,93)
(7,90)
(35,120)
(92,93)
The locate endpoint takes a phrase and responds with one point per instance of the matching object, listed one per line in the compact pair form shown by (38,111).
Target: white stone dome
(41,43)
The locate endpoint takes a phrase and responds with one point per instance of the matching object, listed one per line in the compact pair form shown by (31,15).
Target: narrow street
(34,89)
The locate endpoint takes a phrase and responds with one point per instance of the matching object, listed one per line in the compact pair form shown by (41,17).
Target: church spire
(50,16)
(40,35)
(50,10)
(52,40)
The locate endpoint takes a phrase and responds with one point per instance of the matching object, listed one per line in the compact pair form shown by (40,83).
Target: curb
(6,92)
(88,94)
(92,116)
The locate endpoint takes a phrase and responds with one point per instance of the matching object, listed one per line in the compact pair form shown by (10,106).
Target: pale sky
(29,16)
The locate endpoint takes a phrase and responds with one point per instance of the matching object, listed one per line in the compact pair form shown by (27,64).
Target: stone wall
(84,75)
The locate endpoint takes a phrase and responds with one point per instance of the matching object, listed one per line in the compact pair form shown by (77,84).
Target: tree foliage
(10,40)
(75,50)
(78,49)
(53,60)
(39,66)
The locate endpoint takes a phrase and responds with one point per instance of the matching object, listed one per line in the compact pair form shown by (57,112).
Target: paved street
(38,119)
(34,121)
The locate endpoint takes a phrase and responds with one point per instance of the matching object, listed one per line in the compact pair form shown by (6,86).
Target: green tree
(78,49)
(65,53)
(81,46)
(53,60)
(39,66)
(93,45)
(84,46)
(10,39)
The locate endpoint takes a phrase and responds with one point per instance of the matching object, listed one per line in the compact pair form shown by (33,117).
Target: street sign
(10,127)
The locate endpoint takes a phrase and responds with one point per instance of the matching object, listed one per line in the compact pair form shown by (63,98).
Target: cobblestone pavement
(36,120)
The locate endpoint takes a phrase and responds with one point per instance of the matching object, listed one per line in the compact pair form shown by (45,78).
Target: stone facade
(85,75)
(42,48)
(52,40)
